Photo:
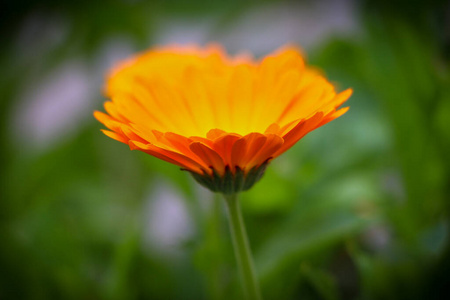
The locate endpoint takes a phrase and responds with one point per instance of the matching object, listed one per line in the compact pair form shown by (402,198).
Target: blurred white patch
(56,105)
(53,106)
(184,31)
(265,28)
(306,23)
(377,237)
(113,51)
(168,224)
(205,197)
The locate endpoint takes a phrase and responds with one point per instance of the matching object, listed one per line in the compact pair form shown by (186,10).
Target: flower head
(221,118)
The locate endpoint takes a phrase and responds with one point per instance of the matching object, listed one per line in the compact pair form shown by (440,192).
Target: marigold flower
(221,118)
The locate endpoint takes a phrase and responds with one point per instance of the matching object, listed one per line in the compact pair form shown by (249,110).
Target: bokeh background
(359,209)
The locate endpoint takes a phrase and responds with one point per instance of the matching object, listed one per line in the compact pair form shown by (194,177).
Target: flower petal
(132,135)
(223,146)
(170,156)
(333,115)
(246,148)
(272,144)
(240,87)
(108,121)
(208,156)
(299,131)
(116,136)
(114,112)
(215,133)
(273,128)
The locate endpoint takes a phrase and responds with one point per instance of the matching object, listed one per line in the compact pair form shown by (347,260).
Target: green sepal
(231,182)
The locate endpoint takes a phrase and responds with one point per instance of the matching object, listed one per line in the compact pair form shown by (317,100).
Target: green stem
(242,248)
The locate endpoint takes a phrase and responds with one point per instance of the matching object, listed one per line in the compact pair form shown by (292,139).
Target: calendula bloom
(221,118)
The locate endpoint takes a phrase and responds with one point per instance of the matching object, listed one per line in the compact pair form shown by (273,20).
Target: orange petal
(215,133)
(113,112)
(179,142)
(273,128)
(202,140)
(299,131)
(108,121)
(272,144)
(115,136)
(339,99)
(176,143)
(144,132)
(223,146)
(333,115)
(240,87)
(170,156)
(208,156)
(245,149)
(131,134)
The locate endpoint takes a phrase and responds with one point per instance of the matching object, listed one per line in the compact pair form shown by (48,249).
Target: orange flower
(221,118)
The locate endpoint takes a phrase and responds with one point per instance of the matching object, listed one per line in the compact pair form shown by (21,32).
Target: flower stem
(242,248)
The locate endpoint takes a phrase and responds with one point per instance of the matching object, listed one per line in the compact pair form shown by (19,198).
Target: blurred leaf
(317,222)
(323,282)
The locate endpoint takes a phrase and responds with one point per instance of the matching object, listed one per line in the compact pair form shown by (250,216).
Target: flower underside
(216,116)
(233,181)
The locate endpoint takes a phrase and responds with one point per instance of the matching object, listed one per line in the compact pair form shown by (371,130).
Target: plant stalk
(242,248)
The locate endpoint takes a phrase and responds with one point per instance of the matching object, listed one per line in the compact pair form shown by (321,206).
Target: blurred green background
(359,209)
